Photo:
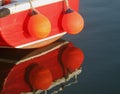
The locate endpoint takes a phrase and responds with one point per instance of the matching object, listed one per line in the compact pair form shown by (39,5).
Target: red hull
(15,82)
(13,28)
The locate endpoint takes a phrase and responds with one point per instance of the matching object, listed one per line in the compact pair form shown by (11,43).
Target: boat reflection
(36,71)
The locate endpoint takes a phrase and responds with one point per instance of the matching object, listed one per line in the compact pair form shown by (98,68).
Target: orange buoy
(40,78)
(72,58)
(72,22)
(39,26)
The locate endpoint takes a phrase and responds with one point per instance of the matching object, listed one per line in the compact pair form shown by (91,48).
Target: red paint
(13,28)
(16,80)
(6,2)
(72,58)
(40,78)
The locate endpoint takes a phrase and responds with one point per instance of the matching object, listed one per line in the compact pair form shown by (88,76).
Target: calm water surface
(100,42)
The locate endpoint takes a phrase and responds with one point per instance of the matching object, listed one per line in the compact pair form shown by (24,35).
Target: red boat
(15,16)
(19,68)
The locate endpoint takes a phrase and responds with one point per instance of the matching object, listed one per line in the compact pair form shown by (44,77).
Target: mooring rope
(31,6)
(67,4)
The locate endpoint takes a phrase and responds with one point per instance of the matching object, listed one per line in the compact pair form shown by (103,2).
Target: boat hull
(16,80)
(14,32)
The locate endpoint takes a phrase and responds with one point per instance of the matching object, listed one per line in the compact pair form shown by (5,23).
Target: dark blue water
(100,42)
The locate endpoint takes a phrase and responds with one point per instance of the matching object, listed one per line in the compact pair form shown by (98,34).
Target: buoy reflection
(41,70)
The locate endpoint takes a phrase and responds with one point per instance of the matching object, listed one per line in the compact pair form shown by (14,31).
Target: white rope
(67,3)
(66,85)
(45,91)
(34,11)
(31,4)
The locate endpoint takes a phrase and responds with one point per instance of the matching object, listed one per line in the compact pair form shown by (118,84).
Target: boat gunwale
(19,6)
